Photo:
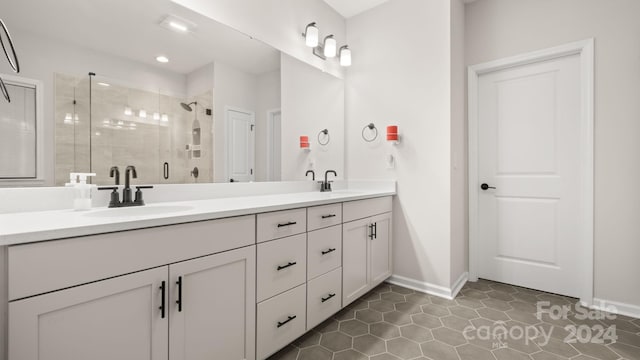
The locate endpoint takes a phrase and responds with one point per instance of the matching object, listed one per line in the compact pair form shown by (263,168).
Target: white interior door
(274,146)
(240,145)
(529,131)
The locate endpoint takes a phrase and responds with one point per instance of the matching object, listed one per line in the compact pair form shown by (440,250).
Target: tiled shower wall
(114,138)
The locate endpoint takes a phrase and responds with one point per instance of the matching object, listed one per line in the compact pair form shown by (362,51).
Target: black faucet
(126,192)
(326,184)
(115,172)
(313,174)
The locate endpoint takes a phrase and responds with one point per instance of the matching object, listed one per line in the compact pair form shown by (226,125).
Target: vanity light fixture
(392,134)
(345,56)
(311,35)
(142,113)
(162,59)
(68,118)
(164,118)
(120,122)
(156,116)
(128,111)
(330,46)
(104,84)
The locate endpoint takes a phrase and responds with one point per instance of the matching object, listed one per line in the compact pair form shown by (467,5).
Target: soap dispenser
(78,181)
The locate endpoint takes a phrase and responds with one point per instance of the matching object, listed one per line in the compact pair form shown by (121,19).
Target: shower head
(188,106)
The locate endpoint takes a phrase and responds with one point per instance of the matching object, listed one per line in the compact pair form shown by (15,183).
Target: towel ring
(326,133)
(15,65)
(371,126)
(4,90)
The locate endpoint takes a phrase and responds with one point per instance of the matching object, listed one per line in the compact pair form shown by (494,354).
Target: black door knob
(486,187)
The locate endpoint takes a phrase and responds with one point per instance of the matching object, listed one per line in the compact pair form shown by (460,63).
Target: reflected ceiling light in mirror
(330,46)
(142,113)
(164,118)
(311,35)
(128,111)
(104,84)
(345,56)
(120,122)
(156,116)
(68,118)
(162,59)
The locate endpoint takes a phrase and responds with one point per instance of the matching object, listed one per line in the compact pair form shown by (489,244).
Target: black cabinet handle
(370,231)
(287,224)
(375,230)
(162,302)
(328,297)
(325,252)
(179,301)
(328,216)
(281,323)
(486,187)
(166,171)
(280,267)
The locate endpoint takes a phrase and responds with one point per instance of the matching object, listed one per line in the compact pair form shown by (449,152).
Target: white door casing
(240,145)
(531,136)
(274,145)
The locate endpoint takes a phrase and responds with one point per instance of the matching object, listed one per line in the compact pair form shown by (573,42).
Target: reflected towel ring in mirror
(4,90)
(370,127)
(326,136)
(13,61)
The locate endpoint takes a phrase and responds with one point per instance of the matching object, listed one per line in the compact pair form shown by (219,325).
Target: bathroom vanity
(239,278)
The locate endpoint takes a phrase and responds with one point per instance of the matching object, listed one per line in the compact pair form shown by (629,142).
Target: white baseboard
(431,289)
(616,307)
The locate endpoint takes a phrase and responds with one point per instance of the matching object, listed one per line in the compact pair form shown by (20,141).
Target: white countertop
(25,227)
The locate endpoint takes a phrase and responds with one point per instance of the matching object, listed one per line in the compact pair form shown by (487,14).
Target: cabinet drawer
(324,216)
(360,209)
(282,264)
(279,224)
(324,250)
(281,320)
(324,297)
(52,265)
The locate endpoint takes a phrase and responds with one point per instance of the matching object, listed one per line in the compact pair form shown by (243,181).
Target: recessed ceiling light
(162,59)
(104,84)
(178,26)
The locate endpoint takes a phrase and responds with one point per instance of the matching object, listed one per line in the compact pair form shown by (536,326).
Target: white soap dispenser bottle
(78,181)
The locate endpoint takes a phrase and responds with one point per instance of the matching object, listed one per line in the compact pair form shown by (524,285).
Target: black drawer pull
(325,252)
(179,301)
(328,297)
(287,224)
(328,216)
(162,307)
(282,323)
(280,267)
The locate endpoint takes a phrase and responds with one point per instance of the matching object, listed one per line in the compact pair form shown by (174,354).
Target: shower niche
(103,122)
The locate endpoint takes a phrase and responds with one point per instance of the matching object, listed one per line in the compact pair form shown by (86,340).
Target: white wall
(279,23)
(459,192)
(41,58)
(501,28)
(311,101)
(231,88)
(401,75)
(200,81)
(268,99)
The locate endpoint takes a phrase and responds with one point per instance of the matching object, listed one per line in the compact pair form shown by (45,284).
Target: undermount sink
(139,211)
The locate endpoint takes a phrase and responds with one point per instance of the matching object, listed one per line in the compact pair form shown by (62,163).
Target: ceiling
(349,8)
(130,29)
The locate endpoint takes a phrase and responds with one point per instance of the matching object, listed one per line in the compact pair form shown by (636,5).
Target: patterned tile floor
(393,322)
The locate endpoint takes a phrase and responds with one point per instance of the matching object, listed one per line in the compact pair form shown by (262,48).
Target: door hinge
(252,127)
(251,171)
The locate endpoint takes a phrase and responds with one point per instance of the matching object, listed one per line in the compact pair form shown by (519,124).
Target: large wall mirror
(219,107)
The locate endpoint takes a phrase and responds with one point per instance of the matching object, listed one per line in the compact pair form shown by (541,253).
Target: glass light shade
(156,116)
(142,113)
(345,56)
(311,35)
(330,46)
(165,118)
(128,111)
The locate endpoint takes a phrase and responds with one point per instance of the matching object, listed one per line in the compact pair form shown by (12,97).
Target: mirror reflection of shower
(194,148)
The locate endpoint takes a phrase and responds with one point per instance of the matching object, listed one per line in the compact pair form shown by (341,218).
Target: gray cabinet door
(213,307)
(380,249)
(355,270)
(118,318)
